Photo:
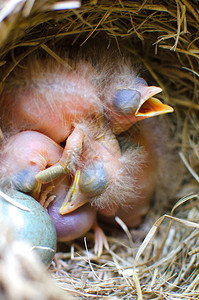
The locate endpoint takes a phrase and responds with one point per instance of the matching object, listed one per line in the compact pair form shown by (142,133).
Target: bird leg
(68,160)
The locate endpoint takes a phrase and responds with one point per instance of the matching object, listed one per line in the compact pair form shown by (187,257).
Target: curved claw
(100,240)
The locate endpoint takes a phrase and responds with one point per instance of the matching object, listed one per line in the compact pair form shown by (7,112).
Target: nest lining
(163,35)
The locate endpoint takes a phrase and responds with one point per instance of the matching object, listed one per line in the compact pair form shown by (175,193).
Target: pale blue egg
(34,226)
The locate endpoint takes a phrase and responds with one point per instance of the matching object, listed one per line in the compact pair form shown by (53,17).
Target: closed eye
(126,101)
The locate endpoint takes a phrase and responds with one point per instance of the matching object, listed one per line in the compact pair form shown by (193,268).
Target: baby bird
(86,111)
(26,153)
(113,180)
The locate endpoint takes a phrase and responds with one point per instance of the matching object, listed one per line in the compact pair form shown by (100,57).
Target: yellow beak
(74,197)
(150,106)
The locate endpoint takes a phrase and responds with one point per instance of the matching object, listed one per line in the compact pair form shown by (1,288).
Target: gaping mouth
(152,107)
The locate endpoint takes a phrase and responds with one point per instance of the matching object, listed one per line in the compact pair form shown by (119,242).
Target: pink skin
(146,180)
(49,98)
(25,154)
(106,150)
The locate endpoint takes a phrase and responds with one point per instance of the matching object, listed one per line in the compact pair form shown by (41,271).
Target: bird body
(90,114)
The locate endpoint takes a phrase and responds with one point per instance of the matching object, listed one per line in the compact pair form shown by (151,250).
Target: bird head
(130,105)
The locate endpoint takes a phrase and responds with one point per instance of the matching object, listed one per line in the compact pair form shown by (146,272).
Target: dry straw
(159,260)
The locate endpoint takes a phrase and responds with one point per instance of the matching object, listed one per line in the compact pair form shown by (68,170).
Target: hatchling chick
(126,96)
(107,177)
(26,153)
(86,111)
(133,114)
(133,173)
(52,98)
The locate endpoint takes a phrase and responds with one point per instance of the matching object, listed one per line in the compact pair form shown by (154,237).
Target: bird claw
(100,240)
(45,199)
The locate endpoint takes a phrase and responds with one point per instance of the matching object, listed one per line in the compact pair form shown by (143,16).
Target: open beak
(150,106)
(74,197)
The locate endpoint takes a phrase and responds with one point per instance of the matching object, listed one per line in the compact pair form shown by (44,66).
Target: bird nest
(159,260)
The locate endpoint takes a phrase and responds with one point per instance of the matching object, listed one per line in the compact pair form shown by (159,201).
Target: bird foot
(45,199)
(100,240)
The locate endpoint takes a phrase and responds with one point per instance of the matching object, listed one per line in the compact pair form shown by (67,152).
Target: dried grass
(163,35)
